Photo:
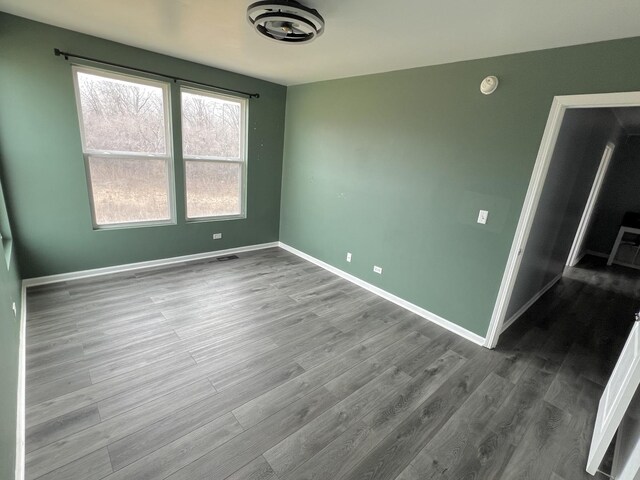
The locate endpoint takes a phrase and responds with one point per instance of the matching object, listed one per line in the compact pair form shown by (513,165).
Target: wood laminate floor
(267,367)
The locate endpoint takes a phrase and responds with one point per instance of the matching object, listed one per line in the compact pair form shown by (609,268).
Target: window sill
(123,226)
(217,219)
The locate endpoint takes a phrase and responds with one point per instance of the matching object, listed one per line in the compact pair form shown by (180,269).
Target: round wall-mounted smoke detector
(489,85)
(285,21)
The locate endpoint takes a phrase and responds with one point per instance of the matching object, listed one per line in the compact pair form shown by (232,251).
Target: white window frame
(242,159)
(168,156)
(6,238)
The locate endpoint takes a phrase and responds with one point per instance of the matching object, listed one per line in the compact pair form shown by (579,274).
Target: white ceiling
(362,36)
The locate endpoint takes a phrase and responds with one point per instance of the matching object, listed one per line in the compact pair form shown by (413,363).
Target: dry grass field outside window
(126,190)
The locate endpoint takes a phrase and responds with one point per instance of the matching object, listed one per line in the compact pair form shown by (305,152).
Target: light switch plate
(482,216)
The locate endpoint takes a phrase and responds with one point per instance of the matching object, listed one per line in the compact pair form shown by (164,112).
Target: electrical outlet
(348,256)
(377,269)
(217,236)
(483,216)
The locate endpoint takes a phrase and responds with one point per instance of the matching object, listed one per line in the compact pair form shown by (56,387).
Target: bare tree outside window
(126,147)
(122,116)
(210,127)
(213,150)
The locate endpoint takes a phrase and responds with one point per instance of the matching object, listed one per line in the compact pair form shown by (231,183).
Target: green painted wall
(9,341)
(394,168)
(45,177)
(9,337)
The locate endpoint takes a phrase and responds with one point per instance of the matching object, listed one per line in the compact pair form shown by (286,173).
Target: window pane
(210,126)
(213,189)
(121,116)
(129,190)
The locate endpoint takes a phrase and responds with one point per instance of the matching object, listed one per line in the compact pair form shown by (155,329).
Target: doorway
(531,227)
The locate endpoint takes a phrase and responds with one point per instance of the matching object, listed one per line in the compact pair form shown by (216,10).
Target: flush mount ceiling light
(285,21)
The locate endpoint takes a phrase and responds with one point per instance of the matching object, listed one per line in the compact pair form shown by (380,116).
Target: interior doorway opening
(531,270)
(581,223)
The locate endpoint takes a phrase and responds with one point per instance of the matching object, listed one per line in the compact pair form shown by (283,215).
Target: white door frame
(585,221)
(545,153)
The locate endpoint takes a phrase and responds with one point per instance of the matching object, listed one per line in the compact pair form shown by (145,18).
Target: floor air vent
(228,257)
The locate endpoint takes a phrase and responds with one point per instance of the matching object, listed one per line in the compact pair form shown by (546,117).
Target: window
(214,152)
(126,141)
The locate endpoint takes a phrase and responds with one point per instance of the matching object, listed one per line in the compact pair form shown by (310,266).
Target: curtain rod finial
(57,52)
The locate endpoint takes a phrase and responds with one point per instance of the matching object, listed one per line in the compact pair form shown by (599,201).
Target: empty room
(319,240)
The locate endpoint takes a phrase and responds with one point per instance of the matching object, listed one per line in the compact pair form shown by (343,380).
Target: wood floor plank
(135,361)
(352,338)
(97,392)
(228,375)
(106,337)
(69,353)
(346,383)
(170,427)
(576,439)
(54,372)
(175,455)
(77,445)
(317,434)
(542,437)
(258,469)
(117,404)
(519,353)
(57,343)
(522,404)
(93,466)
(351,447)
(568,382)
(201,345)
(385,345)
(391,456)
(237,452)
(453,452)
(413,364)
(42,392)
(235,320)
(48,432)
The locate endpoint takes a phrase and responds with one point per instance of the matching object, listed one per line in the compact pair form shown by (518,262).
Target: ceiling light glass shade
(285,21)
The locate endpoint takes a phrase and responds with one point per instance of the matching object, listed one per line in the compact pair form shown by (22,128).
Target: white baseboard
(526,306)
(20,417)
(63,277)
(596,254)
(463,332)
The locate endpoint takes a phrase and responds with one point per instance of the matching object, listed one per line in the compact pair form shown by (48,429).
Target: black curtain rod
(68,55)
